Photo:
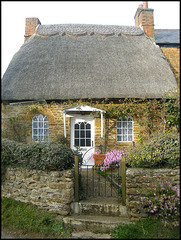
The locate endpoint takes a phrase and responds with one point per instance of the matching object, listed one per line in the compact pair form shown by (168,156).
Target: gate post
(76,178)
(123,177)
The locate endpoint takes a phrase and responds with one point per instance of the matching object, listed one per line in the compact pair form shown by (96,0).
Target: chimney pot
(140,6)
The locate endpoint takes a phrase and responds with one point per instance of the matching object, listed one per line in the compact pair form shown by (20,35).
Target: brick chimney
(30,26)
(144,17)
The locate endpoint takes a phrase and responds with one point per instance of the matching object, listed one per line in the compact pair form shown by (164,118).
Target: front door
(82,136)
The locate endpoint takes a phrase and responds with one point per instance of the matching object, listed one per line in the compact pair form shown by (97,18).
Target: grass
(16,215)
(27,218)
(148,228)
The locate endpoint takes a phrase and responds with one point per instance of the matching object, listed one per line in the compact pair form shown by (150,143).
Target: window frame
(123,120)
(38,135)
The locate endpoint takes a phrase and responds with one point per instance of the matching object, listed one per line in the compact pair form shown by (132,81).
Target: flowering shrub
(160,151)
(163,200)
(112,158)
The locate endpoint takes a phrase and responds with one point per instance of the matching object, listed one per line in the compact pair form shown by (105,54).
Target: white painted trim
(64,123)
(101,124)
(81,108)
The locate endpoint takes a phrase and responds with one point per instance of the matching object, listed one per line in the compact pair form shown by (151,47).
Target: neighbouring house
(61,66)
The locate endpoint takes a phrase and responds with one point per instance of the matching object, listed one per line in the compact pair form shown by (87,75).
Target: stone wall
(52,191)
(138,179)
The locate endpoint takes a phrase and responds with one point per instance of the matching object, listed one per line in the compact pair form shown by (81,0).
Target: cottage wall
(173,57)
(138,180)
(56,125)
(52,191)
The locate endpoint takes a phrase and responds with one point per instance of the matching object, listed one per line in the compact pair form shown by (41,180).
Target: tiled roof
(171,36)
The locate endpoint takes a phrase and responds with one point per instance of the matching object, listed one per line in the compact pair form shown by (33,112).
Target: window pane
(40,132)
(82,142)
(40,124)
(88,142)
(45,124)
(124,138)
(88,126)
(40,117)
(124,131)
(118,124)
(76,134)
(130,131)
(129,124)
(119,138)
(35,131)
(82,134)
(82,126)
(124,124)
(45,131)
(119,131)
(35,124)
(88,134)
(130,137)
(76,126)
(77,142)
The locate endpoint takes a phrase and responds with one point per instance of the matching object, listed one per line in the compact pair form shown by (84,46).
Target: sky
(14,13)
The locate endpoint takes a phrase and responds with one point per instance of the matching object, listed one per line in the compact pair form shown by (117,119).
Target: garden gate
(90,181)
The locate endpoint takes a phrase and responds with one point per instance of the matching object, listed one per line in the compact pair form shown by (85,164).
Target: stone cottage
(59,64)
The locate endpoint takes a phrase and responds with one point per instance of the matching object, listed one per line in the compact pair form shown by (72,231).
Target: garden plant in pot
(99,156)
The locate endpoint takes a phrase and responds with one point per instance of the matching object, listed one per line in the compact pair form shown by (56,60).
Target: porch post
(64,122)
(101,124)
(76,157)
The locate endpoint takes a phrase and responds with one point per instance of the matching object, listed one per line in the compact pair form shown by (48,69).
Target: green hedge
(48,156)
(162,150)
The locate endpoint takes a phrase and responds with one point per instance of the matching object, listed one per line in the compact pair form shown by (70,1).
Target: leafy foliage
(41,156)
(16,129)
(162,150)
(61,140)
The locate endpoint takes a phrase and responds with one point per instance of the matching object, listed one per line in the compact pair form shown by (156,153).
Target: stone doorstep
(92,223)
(99,206)
(98,209)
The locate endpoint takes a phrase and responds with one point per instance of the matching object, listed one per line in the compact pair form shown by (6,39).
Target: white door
(82,136)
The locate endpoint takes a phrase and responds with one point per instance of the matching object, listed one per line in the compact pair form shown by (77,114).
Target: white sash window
(125,130)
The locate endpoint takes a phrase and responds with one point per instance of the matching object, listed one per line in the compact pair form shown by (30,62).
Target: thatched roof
(87,61)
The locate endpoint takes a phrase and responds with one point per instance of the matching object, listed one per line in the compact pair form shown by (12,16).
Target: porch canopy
(82,109)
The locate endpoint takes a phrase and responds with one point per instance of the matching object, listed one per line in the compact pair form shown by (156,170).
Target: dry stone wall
(52,191)
(138,179)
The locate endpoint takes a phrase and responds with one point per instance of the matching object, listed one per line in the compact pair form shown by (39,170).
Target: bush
(48,156)
(160,151)
(62,140)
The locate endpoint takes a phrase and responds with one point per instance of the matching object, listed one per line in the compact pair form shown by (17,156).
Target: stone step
(93,223)
(99,206)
